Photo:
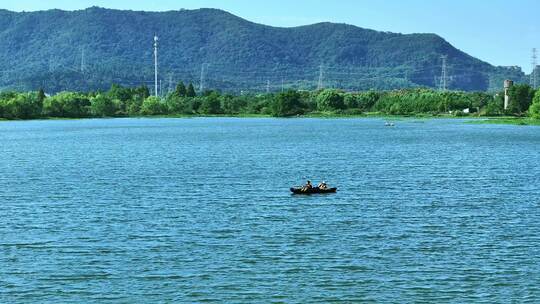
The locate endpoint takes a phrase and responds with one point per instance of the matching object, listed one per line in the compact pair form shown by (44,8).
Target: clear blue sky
(501,32)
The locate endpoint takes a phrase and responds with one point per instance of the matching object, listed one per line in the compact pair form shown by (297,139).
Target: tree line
(121,101)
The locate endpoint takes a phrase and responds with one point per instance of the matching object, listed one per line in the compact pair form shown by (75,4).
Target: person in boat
(308,186)
(323,186)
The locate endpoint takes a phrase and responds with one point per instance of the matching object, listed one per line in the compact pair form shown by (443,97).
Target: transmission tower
(156,65)
(203,70)
(267,86)
(534,65)
(83,64)
(320,85)
(444,75)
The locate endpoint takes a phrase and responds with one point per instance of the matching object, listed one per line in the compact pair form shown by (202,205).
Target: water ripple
(198,210)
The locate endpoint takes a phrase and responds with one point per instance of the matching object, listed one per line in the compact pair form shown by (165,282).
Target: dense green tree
(153,106)
(134,108)
(287,104)
(330,100)
(536,98)
(41,96)
(195,103)
(178,105)
(122,101)
(20,106)
(351,101)
(191,91)
(366,100)
(521,96)
(181,90)
(454,101)
(534,110)
(415,101)
(234,105)
(495,106)
(479,100)
(141,93)
(118,92)
(211,104)
(102,106)
(67,104)
(260,104)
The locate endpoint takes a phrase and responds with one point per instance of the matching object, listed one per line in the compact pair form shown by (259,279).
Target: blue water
(198,210)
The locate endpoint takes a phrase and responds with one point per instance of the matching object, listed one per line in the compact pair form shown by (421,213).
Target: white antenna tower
(320,86)
(534,65)
(170,84)
(444,75)
(156,39)
(267,86)
(282,85)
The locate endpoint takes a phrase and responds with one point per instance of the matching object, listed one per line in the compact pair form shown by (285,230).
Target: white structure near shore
(507,85)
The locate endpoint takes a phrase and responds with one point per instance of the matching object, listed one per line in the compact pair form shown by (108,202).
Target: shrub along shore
(184,101)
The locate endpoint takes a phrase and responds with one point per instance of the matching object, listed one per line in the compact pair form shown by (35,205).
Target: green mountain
(92,48)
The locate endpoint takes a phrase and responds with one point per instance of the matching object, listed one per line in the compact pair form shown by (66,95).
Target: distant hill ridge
(89,49)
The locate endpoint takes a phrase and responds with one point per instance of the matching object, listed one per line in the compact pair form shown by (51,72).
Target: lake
(199,210)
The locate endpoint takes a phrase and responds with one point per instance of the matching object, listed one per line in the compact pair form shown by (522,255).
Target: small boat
(313,190)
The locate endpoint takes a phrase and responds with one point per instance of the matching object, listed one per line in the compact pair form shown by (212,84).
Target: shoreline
(512,121)
(500,120)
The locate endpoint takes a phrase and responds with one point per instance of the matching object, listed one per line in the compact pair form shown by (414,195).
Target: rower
(308,186)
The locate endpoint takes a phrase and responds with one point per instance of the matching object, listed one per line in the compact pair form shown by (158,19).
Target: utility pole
(320,85)
(444,75)
(156,66)
(170,84)
(160,89)
(534,65)
(201,84)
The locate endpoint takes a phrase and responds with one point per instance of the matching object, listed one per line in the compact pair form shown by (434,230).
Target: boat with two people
(308,188)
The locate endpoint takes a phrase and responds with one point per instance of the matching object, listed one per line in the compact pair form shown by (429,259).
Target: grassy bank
(506,120)
(517,121)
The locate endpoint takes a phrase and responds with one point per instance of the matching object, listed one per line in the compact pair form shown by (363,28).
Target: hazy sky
(499,32)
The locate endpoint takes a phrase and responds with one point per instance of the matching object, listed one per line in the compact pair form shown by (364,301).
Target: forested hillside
(90,49)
